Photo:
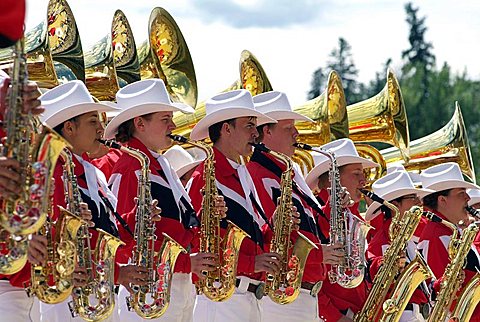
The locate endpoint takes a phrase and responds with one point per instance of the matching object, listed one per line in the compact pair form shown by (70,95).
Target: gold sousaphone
(252,77)
(381,118)
(53,48)
(112,62)
(329,113)
(165,55)
(448,144)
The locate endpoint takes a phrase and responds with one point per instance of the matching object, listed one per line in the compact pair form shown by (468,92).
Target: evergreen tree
(340,60)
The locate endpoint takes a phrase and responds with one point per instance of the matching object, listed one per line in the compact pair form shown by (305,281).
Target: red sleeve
(12,18)
(375,264)
(326,310)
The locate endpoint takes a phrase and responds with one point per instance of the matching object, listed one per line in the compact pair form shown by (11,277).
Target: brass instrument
(61,260)
(345,228)
(252,78)
(217,285)
(160,265)
(112,62)
(53,48)
(448,144)
(284,287)
(99,266)
(369,152)
(26,213)
(165,55)
(402,228)
(470,296)
(381,118)
(452,278)
(329,112)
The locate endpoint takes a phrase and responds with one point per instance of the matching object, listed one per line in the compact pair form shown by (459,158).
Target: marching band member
(144,123)
(335,302)
(317,179)
(474,195)
(71,112)
(448,201)
(266,171)
(15,305)
(183,163)
(398,189)
(230,123)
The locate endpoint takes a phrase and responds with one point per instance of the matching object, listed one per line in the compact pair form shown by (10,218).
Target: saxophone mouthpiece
(178,138)
(372,196)
(472,211)
(110,143)
(260,146)
(432,217)
(303,146)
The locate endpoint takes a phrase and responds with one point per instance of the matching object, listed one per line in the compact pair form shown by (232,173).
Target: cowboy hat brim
(285,115)
(71,111)
(142,109)
(372,212)
(200,131)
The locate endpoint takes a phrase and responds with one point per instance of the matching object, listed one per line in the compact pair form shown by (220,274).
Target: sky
(291,39)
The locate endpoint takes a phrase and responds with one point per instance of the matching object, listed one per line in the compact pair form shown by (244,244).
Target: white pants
(15,305)
(243,306)
(303,309)
(61,313)
(180,309)
(412,316)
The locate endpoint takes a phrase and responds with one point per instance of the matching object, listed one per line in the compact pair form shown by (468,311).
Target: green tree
(417,73)
(340,60)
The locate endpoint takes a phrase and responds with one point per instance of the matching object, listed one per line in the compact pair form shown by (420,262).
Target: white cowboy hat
(225,106)
(140,98)
(345,153)
(445,176)
(67,101)
(276,105)
(474,196)
(392,186)
(417,181)
(321,166)
(181,160)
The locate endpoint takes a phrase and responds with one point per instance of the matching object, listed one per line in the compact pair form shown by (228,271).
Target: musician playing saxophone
(14,303)
(71,112)
(266,171)
(335,302)
(398,189)
(448,201)
(144,124)
(230,124)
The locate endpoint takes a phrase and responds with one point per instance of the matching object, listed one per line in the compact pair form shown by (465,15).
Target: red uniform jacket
(103,219)
(12,18)
(229,187)
(433,244)
(376,249)
(334,299)
(267,184)
(107,162)
(124,183)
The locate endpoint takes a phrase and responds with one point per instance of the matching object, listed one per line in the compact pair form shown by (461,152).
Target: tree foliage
(429,91)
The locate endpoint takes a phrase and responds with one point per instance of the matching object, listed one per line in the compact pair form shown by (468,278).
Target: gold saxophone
(284,287)
(26,213)
(160,265)
(345,228)
(452,278)
(61,260)
(470,296)
(217,285)
(99,265)
(401,231)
